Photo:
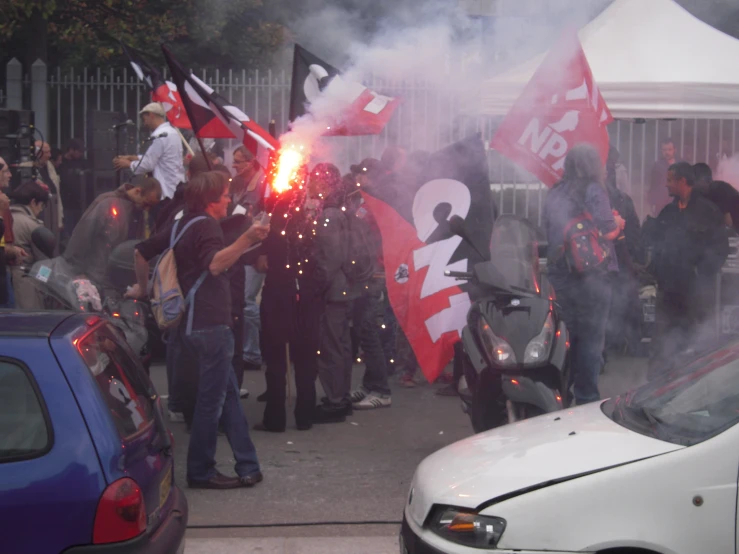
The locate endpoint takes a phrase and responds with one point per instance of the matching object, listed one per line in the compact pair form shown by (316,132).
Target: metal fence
(426,120)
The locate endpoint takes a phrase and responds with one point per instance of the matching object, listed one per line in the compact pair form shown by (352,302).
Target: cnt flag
(161,90)
(212,116)
(360,111)
(412,210)
(560,107)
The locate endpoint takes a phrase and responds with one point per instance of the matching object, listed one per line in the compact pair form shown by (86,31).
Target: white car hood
(526,454)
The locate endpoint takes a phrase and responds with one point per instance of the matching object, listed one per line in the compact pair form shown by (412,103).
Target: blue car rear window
(24,431)
(120,380)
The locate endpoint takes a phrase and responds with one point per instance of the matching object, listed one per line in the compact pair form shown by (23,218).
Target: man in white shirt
(163,158)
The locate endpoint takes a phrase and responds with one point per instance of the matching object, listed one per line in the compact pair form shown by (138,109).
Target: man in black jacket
(332,274)
(690,244)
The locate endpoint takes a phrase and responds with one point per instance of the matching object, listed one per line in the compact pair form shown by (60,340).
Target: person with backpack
(580,226)
(339,283)
(190,290)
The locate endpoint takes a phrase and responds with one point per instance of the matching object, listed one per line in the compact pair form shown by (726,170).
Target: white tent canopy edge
(651,59)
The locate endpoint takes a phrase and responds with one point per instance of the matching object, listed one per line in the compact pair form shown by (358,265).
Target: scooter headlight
(498,349)
(538,349)
(467,528)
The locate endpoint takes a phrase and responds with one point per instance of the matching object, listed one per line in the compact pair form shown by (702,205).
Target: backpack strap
(174,237)
(189,301)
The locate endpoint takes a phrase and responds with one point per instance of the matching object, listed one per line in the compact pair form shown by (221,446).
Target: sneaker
(407,381)
(373,401)
(243,393)
(358,395)
(176,417)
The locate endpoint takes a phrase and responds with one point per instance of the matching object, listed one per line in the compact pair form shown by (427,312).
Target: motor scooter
(515,342)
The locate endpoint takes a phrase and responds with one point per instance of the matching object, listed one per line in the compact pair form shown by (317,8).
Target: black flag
(310,76)
(412,209)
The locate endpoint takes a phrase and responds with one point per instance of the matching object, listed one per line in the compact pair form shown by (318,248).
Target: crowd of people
(681,251)
(302,291)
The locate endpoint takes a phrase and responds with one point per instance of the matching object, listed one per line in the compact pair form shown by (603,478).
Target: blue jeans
(217,399)
(252,325)
(584,303)
(10,304)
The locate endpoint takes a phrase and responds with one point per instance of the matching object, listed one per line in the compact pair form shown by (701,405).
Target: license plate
(165,487)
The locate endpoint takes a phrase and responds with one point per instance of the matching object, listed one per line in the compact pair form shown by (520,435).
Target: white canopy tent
(651,59)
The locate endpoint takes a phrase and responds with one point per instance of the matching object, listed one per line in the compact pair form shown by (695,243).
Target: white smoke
(728,170)
(434,43)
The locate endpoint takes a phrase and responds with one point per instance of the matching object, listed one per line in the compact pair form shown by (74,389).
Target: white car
(652,471)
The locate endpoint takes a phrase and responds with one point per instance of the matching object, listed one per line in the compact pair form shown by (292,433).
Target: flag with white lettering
(412,209)
(162,91)
(358,110)
(560,107)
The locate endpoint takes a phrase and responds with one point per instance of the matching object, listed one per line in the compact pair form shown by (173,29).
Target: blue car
(86,462)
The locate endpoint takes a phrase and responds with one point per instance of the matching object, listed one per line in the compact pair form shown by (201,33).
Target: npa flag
(560,107)
(412,211)
(359,111)
(212,116)
(162,91)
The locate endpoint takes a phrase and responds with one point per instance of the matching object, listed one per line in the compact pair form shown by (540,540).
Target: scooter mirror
(458,226)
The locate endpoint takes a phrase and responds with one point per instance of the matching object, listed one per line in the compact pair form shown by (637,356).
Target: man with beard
(690,245)
(106,224)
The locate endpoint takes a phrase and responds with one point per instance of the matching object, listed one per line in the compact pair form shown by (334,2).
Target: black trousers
(288,322)
(335,361)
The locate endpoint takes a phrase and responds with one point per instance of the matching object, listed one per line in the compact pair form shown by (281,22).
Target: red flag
(432,323)
(170,99)
(161,90)
(560,107)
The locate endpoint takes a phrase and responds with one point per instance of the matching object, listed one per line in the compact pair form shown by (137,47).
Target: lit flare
(288,167)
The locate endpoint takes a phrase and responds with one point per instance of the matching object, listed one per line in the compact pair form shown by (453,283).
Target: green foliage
(217,33)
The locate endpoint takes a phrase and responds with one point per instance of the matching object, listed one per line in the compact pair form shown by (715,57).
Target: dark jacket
(104,225)
(689,246)
(629,247)
(331,251)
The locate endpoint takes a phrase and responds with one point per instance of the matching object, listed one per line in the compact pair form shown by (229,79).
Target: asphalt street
(337,488)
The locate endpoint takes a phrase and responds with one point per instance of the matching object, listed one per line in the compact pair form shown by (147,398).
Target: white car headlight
(467,528)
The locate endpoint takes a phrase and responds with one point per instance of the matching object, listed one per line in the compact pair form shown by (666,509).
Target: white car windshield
(687,406)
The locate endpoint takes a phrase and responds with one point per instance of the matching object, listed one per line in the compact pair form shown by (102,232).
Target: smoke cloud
(408,48)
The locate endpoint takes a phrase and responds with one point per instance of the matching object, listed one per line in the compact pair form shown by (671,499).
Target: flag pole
(189,148)
(202,149)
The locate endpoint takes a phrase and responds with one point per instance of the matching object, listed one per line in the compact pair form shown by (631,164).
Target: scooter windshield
(514,251)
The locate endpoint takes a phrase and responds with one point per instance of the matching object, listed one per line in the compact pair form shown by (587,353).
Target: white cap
(155,108)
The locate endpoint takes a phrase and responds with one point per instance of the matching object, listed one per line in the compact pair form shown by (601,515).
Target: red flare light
(287,168)
(114,211)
